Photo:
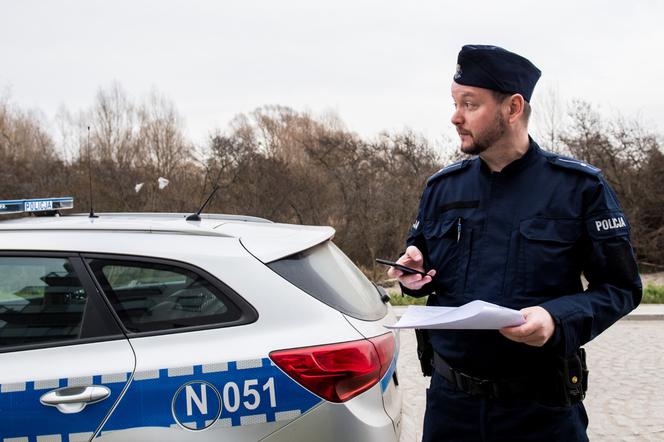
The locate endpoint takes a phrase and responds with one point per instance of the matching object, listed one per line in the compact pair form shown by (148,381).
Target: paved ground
(625,400)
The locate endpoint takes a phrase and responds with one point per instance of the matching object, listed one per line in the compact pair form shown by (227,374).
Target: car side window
(41,300)
(153,296)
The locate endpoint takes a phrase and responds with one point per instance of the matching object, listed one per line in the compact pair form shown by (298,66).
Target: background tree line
(291,166)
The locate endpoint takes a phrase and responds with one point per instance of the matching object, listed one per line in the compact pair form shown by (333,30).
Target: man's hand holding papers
(537,329)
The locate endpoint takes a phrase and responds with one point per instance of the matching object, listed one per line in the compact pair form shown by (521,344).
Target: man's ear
(516,107)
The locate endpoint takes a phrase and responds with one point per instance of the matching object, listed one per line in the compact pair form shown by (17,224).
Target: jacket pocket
(445,246)
(550,255)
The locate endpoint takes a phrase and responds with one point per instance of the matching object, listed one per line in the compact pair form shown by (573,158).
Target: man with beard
(516,226)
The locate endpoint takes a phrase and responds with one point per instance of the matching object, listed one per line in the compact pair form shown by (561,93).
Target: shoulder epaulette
(447,170)
(571,163)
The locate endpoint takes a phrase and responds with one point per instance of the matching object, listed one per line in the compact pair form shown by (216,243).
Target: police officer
(516,226)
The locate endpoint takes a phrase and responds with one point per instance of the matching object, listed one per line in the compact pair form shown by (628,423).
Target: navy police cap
(495,68)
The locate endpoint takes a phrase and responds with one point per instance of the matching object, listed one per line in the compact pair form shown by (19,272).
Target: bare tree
(161,135)
(114,124)
(292,166)
(548,117)
(29,161)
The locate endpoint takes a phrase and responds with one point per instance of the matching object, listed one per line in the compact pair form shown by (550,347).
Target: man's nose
(457,118)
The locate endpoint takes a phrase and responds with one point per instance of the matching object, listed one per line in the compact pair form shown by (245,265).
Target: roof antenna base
(196,216)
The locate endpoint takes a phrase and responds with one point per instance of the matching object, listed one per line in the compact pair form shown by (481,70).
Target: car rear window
(150,296)
(328,275)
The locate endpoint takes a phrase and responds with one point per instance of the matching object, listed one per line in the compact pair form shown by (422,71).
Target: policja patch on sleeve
(607,225)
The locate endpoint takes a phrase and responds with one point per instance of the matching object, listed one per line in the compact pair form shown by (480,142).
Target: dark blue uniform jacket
(522,237)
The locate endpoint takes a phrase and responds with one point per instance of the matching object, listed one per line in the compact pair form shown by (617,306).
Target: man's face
(477,117)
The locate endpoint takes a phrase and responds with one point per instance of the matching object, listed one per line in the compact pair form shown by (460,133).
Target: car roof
(264,239)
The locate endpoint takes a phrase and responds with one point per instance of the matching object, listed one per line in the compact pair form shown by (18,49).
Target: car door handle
(74,399)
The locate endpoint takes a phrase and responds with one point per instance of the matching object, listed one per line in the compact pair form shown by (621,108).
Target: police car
(152,327)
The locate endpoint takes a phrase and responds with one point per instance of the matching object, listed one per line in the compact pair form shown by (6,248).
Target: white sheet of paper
(476,315)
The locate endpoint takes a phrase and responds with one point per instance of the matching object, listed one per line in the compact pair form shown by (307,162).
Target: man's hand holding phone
(412,258)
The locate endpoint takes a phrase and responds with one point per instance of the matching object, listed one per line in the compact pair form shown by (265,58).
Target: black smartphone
(401,267)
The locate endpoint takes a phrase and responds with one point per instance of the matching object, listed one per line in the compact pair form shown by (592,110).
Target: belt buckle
(474,386)
(484,387)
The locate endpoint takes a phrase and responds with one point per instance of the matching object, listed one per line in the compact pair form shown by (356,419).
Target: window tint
(327,274)
(149,296)
(41,300)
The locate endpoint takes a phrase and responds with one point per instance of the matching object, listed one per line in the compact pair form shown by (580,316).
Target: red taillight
(338,372)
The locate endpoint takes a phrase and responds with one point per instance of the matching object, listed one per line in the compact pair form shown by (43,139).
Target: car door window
(153,296)
(41,300)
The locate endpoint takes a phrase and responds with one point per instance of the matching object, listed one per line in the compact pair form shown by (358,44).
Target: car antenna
(92,212)
(196,216)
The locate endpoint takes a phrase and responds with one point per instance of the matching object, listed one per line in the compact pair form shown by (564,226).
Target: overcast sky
(381,65)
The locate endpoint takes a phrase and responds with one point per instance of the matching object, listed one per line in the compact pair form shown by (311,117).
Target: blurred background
(313,113)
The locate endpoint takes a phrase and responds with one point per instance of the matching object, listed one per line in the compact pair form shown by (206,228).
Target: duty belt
(546,391)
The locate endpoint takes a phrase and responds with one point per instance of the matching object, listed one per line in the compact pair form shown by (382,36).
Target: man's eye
(469,105)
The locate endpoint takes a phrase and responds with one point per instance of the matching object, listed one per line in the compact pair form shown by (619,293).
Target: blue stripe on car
(150,398)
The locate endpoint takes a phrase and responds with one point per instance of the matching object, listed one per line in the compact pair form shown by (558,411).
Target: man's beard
(487,138)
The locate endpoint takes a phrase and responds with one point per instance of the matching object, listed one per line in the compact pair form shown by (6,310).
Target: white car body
(192,383)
